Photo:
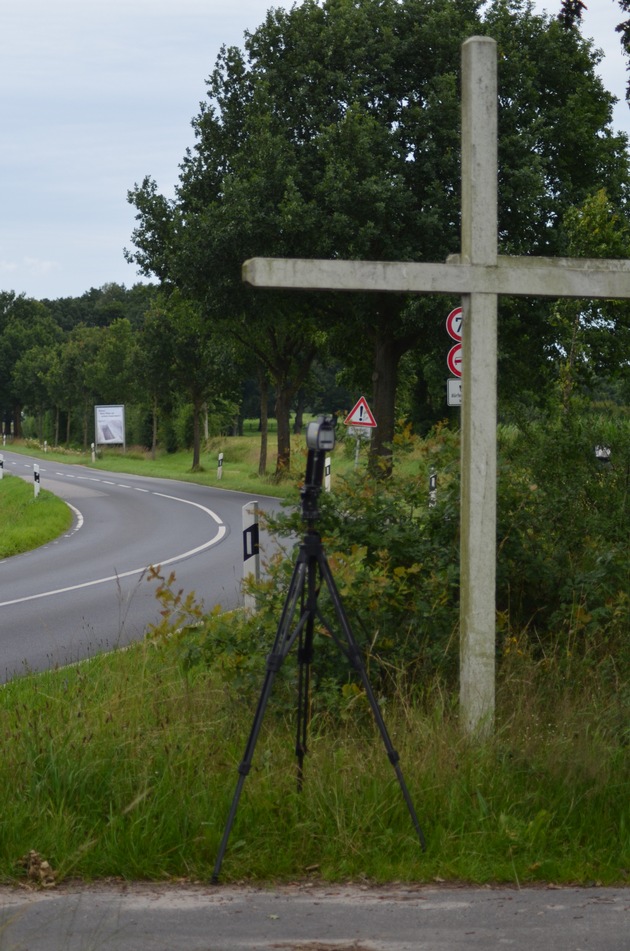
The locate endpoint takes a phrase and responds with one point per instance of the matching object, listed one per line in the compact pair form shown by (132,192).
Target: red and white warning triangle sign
(360,415)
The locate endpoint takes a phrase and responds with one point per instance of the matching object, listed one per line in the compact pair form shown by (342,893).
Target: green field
(27,522)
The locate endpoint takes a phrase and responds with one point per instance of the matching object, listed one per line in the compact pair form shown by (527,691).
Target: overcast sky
(96,94)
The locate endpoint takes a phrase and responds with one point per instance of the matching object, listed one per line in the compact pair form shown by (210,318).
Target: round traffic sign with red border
(454,359)
(454,324)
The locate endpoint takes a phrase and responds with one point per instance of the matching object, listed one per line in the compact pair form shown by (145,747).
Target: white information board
(109,425)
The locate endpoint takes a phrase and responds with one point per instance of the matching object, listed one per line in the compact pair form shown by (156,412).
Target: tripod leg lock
(274,662)
(244,768)
(393,757)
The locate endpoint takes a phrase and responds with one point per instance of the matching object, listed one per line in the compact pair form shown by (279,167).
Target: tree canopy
(335,133)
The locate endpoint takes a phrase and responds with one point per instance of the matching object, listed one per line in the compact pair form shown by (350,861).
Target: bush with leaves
(564,530)
(563,567)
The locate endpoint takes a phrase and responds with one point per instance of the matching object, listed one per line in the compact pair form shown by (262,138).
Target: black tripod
(310,572)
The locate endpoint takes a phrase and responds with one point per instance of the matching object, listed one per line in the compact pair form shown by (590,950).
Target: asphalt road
(319,918)
(88,590)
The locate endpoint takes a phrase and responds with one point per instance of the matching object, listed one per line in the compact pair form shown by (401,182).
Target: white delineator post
(327,476)
(1,465)
(251,550)
(36,485)
(479,276)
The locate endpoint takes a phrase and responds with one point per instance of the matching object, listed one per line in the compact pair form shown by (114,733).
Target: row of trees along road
(62,356)
(153,352)
(335,133)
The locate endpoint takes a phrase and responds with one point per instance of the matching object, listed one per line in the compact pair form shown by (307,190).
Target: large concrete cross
(479,275)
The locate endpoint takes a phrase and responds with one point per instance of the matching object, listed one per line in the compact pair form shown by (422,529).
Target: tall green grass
(126,766)
(27,522)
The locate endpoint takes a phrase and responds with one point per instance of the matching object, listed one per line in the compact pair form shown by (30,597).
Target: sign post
(361,419)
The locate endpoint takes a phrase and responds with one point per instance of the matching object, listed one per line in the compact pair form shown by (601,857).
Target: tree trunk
(264,422)
(196,463)
(17,420)
(299,413)
(154,428)
(86,414)
(284,396)
(387,354)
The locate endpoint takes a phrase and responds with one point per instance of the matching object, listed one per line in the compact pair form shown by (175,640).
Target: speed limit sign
(454,324)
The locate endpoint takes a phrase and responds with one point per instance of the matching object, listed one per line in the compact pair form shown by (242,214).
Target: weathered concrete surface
(139,917)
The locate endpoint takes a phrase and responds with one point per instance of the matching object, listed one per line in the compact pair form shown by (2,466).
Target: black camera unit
(320,439)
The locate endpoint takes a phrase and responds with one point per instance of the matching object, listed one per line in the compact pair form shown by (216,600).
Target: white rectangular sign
(109,425)
(454,392)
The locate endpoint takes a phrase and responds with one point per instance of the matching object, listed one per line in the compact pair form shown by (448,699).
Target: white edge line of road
(79,517)
(135,571)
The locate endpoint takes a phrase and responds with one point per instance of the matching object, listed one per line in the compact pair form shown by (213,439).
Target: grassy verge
(239,469)
(126,766)
(27,522)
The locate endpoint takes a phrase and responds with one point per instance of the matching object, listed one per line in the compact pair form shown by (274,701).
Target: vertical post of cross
(479,402)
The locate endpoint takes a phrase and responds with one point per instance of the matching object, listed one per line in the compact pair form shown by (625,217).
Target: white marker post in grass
(36,479)
(251,551)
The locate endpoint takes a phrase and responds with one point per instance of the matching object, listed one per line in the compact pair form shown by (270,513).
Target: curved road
(88,591)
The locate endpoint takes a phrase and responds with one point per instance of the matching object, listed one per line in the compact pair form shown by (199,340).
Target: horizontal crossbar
(513,276)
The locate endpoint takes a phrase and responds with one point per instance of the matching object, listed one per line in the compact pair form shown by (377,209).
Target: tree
(31,370)
(99,307)
(154,358)
(623,29)
(114,378)
(336,134)
(593,336)
(25,325)
(76,375)
(199,365)
(571,13)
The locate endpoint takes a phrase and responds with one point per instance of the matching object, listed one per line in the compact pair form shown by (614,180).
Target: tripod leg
(305,659)
(354,655)
(282,644)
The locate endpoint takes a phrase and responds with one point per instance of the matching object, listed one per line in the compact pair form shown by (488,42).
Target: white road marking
(134,571)
(80,519)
